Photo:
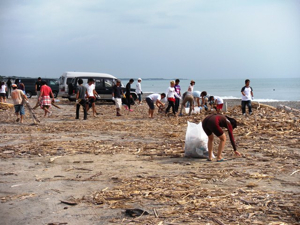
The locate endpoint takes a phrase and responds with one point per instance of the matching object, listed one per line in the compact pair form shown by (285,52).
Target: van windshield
(61,80)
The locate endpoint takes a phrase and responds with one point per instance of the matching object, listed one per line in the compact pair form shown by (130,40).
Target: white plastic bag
(195,141)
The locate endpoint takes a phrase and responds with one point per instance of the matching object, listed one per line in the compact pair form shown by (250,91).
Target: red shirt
(46,90)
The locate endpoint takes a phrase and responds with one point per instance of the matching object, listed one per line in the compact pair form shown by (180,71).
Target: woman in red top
(45,100)
(213,125)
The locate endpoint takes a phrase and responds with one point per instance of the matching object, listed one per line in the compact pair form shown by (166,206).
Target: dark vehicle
(30,85)
(103,86)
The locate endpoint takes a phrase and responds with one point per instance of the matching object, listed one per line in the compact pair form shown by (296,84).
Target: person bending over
(154,98)
(213,124)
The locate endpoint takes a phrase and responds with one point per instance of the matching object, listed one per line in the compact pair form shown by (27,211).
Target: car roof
(88,74)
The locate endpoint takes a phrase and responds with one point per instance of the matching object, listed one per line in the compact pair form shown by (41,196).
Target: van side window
(108,83)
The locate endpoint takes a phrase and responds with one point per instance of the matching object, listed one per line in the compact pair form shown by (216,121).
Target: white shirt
(219,100)
(196,94)
(154,97)
(2,89)
(90,89)
(191,88)
(247,91)
(138,88)
(171,93)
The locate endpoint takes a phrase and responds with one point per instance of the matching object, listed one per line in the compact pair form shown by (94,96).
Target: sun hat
(140,79)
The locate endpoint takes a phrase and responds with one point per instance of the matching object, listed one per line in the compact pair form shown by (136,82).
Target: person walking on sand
(17,97)
(178,91)
(8,84)
(128,95)
(171,93)
(91,95)
(3,90)
(247,96)
(154,98)
(187,97)
(37,86)
(216,102)
(138,90)
(117,94)
(45,98)
(80,99)
(213,124)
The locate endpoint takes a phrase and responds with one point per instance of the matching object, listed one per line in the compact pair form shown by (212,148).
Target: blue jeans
(20,109)
(248,103)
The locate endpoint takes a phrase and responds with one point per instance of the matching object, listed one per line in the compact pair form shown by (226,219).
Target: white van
(67,77)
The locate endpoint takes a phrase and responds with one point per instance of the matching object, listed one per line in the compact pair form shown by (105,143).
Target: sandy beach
(67,171)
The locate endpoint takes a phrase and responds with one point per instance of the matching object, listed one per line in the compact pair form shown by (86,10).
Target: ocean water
(279,89)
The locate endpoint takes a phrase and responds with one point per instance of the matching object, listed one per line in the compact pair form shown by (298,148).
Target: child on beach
(154,98)
(213,124)
(171,93)
(216,102)
(247,96)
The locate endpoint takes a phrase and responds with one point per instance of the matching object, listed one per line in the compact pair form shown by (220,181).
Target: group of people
(17,93)
(86,97)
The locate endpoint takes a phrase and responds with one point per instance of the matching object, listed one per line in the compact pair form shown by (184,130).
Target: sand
(108,164)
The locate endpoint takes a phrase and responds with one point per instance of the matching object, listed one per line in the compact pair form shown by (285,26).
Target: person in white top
(3,90)
(138,90)
(154,98)
(247,96)
(191,87)
(91,95)
(171,93)
(216,102)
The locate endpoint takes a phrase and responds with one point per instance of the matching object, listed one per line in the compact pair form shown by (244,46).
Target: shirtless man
(17,97)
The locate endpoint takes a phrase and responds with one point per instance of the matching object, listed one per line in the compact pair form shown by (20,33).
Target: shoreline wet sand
(67,171)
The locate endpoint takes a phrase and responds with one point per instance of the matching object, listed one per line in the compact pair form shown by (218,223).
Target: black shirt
(117,91)
(38,85)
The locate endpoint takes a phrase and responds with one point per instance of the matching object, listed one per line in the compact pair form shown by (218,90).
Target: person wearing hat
(138,90)
(17,97)
(191,87)
(213,124)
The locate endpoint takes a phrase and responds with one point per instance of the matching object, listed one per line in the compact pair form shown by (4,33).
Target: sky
(151,38)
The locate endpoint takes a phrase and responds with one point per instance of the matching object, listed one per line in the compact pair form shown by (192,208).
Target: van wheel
(55,94)
(134,96)
(28,94)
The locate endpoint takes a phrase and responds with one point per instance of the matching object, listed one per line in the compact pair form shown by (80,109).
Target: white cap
(140,79)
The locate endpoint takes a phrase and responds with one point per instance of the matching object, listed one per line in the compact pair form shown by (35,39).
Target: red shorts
(220,106)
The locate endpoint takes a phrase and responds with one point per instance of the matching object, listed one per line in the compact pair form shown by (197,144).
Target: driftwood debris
(288,109)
